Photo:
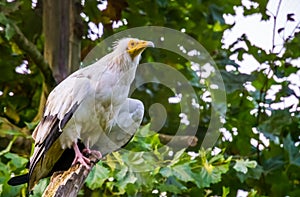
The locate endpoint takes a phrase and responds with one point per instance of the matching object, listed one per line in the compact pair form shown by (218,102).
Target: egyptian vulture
(88,111)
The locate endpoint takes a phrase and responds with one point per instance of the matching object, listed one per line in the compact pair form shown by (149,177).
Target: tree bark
(68,183)
(61,30)
(178,141)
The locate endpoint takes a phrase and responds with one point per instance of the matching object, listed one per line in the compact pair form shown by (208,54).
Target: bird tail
(18,180)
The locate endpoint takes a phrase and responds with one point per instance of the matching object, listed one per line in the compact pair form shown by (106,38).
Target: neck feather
(122,62)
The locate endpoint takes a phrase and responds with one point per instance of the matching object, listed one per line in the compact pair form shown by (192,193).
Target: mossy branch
(27,46)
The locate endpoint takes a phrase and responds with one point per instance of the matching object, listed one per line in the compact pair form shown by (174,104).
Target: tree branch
(178,141)
(274,26)
(68,183)
(27,46)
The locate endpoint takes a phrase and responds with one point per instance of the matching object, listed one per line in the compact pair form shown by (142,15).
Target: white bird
(89,109)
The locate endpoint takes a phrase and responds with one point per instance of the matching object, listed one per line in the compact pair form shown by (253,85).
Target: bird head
(133,47)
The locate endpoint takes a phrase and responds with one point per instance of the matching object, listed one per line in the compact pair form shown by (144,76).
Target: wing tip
(18,180)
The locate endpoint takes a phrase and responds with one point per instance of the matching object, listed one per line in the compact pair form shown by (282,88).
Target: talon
(95,153)
(80,158)
(87,151)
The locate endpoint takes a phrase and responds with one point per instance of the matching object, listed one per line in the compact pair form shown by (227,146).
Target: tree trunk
(61,30)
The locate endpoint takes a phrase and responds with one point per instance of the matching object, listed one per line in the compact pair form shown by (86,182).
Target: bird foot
(82,159)
(95,153)
(87,151)
(79,158)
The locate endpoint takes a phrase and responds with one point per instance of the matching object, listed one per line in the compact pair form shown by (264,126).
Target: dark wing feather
(18,180)
(41,150)
(61,104)
(48,152)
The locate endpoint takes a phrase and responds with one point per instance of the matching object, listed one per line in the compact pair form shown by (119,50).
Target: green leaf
(1,188)
(166,171)
(183,172)
(40,188)
(162,3)
(216,14)
(253,193)
(11,132)
(279,183)
(291,47)
(234,82)
(135,158)
(172,185)
(97,176)
(253,173)
(206,177)
(122,173)
(242,165)
(225,191)
(9,31)
(128,179)
(131,189)
(169,188)
(177,156)
(285,70)
(3,19)
(274,163)
(31,125)
(16,162)
(292,150)
(276,122)
(145,131)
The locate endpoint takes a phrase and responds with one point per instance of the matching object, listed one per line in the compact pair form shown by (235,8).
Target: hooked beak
(139,48)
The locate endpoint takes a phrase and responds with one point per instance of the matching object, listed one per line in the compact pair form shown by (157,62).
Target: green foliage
(154,169)
(40,188)
(97,177)
(11,163)
(242,165)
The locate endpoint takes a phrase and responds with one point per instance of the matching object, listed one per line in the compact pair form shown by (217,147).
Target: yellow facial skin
(135,47)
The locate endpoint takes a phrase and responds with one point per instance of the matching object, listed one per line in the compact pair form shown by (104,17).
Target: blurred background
(255,46)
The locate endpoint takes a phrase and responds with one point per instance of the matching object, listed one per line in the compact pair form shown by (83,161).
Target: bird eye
(131,44)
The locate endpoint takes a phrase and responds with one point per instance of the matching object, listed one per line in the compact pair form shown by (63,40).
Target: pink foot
(79,158)
(82,160)
(87,151)
(95,153)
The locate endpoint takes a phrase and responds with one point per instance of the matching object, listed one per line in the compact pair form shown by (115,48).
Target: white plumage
(90,106)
